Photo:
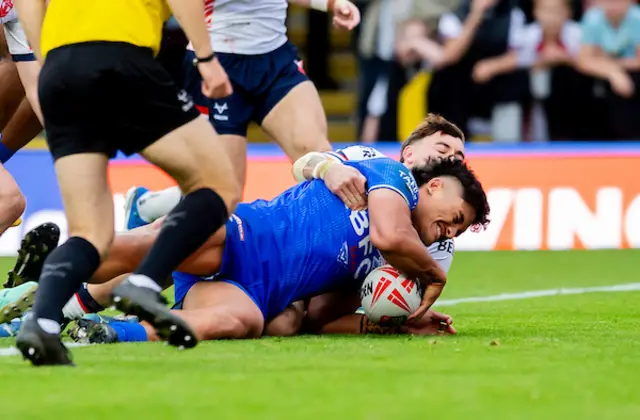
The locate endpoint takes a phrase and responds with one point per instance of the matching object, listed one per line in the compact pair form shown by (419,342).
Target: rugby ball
(388,297)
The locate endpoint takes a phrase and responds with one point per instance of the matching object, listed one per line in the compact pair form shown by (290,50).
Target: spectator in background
(548,48)
(417,36)
(376,61)
(611,51)
(478,30)
(393,39)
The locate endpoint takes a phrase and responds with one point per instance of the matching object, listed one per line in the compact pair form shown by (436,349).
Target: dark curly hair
(473,193)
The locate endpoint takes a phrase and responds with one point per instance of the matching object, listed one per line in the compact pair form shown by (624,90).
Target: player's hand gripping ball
(388,297)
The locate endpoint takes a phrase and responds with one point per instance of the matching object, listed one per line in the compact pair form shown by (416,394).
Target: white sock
(153,205)
(49,326)
(141,280)
(73,309)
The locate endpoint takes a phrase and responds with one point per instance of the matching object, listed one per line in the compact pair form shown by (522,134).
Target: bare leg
(218,310)
(157,204)
(329,307)
(23,127)
(288,323)
(12,202)
(11,91)
(129,248)
(298,122)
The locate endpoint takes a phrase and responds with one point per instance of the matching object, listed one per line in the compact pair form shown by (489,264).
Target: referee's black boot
(34,249)
(40,347)
(149,305)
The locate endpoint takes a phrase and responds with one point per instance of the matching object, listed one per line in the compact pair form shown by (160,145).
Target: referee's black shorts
(101,97)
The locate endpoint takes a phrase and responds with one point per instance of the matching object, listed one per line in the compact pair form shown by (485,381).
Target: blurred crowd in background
(515,70)
(503,70)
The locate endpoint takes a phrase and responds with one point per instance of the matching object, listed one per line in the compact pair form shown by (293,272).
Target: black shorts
(102,97)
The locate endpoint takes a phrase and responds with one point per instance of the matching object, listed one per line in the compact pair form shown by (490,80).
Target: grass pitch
(563,357)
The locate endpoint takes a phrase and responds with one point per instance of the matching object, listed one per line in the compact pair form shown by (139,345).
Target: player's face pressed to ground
(441,212)
(435,146)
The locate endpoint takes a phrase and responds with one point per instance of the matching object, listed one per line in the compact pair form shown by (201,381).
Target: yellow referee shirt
(136,22)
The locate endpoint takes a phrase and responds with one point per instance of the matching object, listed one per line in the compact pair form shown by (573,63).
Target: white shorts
(17,42)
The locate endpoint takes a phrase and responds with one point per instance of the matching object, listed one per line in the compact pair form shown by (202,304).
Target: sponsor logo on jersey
(343,257)
(446,246)
(240,226)
(412,186)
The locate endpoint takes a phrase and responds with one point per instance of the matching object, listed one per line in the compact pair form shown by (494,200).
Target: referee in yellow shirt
(102,92)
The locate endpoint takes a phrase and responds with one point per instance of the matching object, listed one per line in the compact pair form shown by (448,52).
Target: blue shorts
(183,282)
(259,84)
(240,268)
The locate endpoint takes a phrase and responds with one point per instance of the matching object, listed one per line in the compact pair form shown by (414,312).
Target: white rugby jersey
(13,32)
(7,11)
(443,251)
(248,27)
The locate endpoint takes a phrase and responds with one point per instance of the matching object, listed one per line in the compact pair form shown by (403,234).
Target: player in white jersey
(18,126)
(267,79)
(21,53)
(18,123)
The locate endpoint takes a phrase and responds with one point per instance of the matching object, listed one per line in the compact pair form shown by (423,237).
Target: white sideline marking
(12,351)
(629,287)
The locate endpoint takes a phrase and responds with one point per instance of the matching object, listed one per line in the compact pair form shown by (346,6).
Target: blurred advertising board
(560,196)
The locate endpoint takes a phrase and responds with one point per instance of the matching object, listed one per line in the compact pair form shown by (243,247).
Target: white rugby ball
(387,296)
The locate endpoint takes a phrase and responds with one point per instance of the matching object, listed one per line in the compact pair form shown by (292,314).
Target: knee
(12,203)
(222,325)
(228,190)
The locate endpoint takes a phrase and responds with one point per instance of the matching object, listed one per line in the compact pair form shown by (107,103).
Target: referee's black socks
(64,271)
(187,227)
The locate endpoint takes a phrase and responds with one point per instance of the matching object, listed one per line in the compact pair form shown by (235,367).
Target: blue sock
(5,152)
(129,331)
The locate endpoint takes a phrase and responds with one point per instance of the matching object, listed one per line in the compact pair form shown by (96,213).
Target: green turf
(566,357)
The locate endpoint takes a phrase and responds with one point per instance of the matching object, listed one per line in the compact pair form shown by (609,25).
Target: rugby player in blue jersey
(434,139)
(306,242)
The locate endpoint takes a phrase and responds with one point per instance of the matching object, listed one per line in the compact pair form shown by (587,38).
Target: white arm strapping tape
(300,164)
(322,5)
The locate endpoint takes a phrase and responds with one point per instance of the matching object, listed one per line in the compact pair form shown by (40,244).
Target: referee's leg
(194,156)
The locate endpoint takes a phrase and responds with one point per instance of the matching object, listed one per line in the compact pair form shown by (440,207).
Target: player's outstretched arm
(31,15)
(393,234)
(432,323)
(190,16)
